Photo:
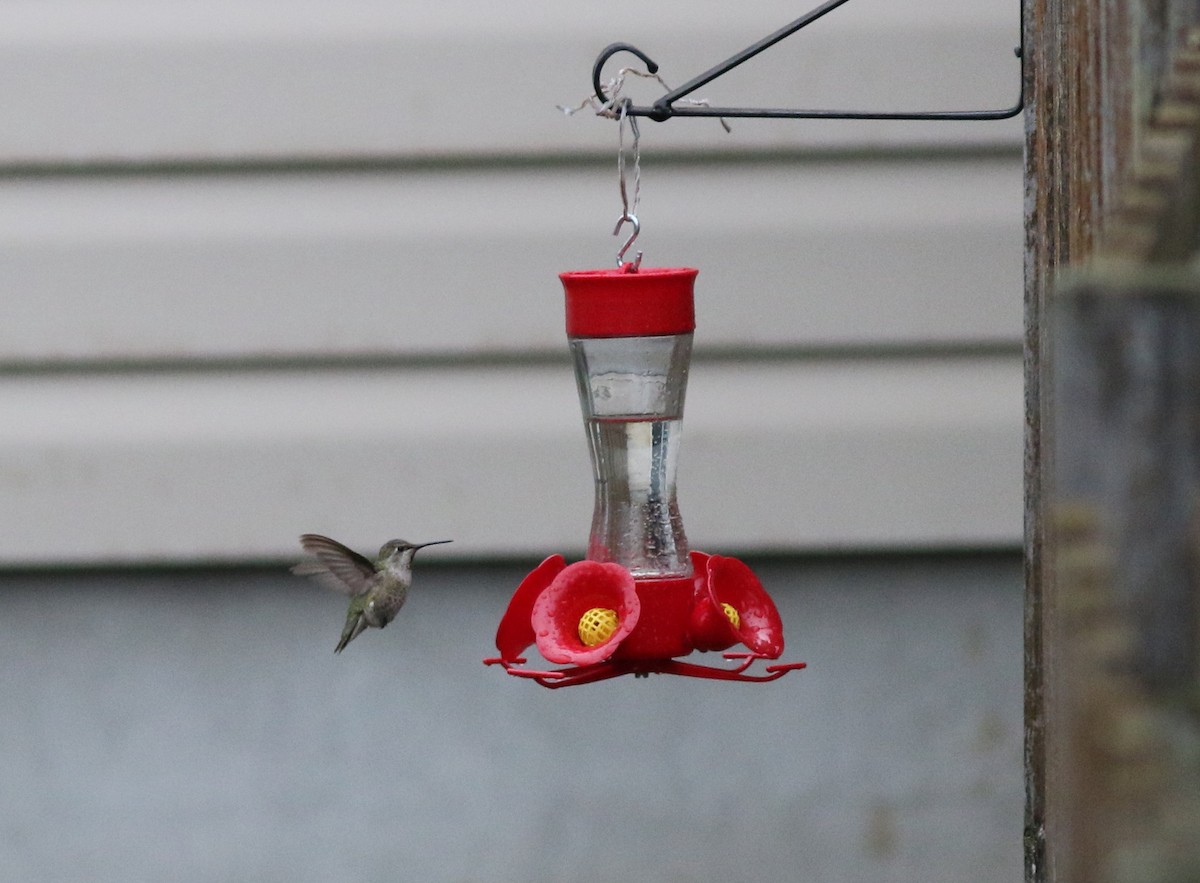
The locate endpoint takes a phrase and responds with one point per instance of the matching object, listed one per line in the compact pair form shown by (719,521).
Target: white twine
(611,107)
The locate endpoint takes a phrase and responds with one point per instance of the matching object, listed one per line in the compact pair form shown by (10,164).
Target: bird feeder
(641,600)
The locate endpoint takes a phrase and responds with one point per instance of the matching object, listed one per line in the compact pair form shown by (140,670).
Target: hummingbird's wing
(336,567)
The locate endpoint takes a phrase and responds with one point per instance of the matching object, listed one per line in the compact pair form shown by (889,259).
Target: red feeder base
(639,626)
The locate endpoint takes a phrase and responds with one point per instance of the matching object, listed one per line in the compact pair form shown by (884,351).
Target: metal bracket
(665,108)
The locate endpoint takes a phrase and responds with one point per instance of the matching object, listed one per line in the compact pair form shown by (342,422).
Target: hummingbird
(377,589)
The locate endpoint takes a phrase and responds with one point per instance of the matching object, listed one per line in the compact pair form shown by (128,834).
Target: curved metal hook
(637,228)
(608,53)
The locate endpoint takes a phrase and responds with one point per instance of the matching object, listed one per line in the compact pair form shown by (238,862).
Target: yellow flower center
(597,626)
(732,615)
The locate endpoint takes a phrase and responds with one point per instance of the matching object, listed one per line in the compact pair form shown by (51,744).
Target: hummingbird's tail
(356,624)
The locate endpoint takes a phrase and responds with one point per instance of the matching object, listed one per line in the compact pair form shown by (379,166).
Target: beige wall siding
(277,270)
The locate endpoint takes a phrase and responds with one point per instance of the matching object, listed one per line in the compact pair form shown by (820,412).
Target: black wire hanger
(664,108)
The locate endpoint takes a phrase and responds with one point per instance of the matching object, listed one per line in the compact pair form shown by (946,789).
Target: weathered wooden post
(1120,623)
(1078,66)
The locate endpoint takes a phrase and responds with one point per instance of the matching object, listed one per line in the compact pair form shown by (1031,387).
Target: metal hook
(609,51)
(632,266)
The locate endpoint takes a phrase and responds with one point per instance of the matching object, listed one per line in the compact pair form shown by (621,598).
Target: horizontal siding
(136,81)
(230,466)
(213,216)
(443,262)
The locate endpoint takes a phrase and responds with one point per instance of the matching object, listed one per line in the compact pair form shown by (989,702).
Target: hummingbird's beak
(431,543)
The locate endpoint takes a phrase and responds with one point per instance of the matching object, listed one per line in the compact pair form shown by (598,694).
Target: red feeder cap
(615,303)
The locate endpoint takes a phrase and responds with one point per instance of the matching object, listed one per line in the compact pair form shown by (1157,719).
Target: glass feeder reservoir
(631,366)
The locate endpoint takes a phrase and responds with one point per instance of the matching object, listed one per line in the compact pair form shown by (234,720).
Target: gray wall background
(196,726)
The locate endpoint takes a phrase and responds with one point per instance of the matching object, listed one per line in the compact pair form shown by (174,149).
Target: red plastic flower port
(516,628)
(600,622)
(585,613)
(732,607)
